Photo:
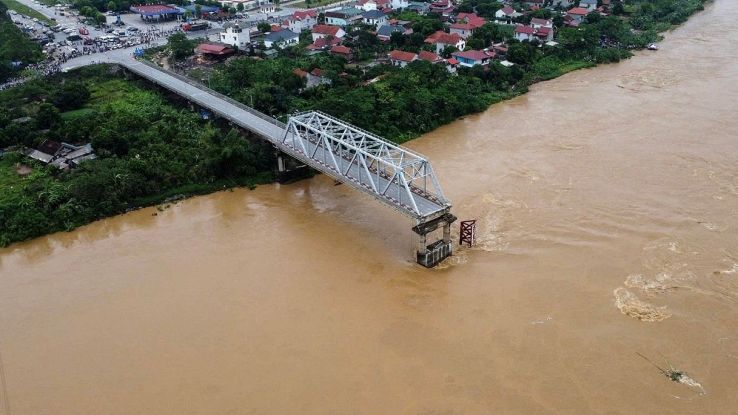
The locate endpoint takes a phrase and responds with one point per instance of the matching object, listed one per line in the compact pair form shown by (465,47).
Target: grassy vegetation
(148,151)
(23,9)
(15,46)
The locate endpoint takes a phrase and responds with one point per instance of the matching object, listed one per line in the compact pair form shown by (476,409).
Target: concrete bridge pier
(430,255)
(290,169)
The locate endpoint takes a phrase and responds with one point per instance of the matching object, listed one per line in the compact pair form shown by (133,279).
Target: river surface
(607,203)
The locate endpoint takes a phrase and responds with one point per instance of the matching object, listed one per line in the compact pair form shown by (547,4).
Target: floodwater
(607,203)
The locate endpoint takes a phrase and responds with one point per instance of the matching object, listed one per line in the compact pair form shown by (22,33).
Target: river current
(607,203)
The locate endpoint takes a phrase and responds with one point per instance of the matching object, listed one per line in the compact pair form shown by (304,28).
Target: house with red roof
(442,7)
(342,51)
(323,30)
(317,77)
(471,58)
(452,64)
(507,13)
(577,14)
(442,39)
(324,43)
(545,34)
(466,23)
(302,20)
(214,50)
(538,23)
(471,19)
(429,57)
(401,58)
(542,33)
(523,33)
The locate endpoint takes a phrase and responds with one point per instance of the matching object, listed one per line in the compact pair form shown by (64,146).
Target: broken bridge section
(392,174)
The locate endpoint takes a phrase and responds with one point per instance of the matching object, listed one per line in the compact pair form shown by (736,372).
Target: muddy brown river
(607,203)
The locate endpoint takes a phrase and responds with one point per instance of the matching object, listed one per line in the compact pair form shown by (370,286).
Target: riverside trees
(147,150)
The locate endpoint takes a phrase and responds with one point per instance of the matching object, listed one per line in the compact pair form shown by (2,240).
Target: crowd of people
(42,69)
(61,55)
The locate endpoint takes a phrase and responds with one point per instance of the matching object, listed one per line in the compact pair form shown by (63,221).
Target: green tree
(179,46)
(47,116)
(264,27)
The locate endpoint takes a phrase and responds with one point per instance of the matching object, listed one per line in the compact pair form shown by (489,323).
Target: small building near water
(61,155)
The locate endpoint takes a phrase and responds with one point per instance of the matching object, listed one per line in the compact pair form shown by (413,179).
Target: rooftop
(401,55)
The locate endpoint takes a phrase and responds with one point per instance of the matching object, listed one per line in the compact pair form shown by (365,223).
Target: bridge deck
(422,207)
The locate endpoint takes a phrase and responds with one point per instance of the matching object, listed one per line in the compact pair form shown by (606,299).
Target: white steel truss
(392,174)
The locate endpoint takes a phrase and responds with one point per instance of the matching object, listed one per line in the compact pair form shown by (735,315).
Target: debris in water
(548,318)
(676,375)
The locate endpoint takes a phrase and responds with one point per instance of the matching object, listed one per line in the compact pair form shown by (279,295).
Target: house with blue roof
(374,18)
(281,39)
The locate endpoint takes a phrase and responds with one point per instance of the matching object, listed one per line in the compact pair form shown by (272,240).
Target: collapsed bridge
(391,174)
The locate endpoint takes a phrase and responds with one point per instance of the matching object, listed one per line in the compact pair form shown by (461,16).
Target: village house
(374,18)
(545,34)
(316,77)
(342,51)
(321,31)
(214,50)
(384,33)
(442,39)
(524,33)
(507,14)
(281,39)
(466,23)
(577,15)
(368,5)
(451,65)
(442,7)
(312,78)
(233,34)
(302,20)
(399,4)
(418,7)
(267,8)
(343,17)
(537,23)
(324,43)
(540,29)
(471,58)
(590,5)
(61,155)
(429,57)
(401,58)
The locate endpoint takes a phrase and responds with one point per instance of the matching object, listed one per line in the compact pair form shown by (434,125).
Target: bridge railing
(367,133)
(230,100)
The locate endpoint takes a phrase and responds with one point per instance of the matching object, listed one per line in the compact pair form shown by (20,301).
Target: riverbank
(147,151)
(400,104)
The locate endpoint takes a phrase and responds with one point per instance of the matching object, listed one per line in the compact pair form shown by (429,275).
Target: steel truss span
(390,173)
